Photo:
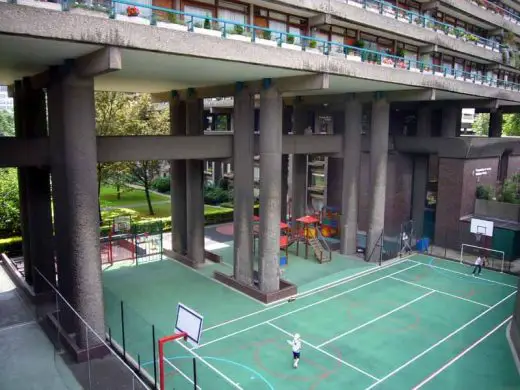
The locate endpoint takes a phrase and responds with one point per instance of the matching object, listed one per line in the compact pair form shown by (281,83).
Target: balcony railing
(184,21)
(507,15)
(406,16)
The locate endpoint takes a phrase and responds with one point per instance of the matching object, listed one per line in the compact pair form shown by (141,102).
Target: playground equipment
(286,238)
(330,222)
(309,231)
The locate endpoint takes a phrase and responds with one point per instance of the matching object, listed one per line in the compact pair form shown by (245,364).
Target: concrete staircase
(322,254)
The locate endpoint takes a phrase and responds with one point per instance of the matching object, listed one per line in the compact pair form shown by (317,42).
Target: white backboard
(481,226)
(189,322)
(122,223)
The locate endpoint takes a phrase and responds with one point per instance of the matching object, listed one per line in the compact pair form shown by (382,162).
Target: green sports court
(416,322)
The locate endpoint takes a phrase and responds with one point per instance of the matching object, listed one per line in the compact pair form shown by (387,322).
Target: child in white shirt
(296,345)
(478,266)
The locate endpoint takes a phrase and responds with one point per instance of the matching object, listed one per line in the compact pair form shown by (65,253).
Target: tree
(6,123)
(481,124)
(9,203)
(511,125)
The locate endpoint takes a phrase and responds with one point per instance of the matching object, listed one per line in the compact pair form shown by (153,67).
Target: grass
(163,210)
(129,196)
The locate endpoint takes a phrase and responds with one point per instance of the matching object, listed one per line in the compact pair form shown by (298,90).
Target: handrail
(501,10)
(327,47)
(426,21)
(379,239)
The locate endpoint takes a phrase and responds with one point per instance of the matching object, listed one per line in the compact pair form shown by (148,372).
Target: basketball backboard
(482,227)
(122,224)
(189,322)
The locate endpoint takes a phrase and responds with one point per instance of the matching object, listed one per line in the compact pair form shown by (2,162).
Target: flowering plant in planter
(132,11)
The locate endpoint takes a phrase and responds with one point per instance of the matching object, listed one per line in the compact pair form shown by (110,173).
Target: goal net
(494,259)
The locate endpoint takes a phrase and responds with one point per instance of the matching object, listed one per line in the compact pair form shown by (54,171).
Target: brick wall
(513,166)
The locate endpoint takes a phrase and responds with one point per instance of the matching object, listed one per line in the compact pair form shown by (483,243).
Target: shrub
(266,34)
(238,29)
(290,39)
(161,184)
(313,44)
(228,205)
(11,245)
(207,24)
(485,192)
(217,195)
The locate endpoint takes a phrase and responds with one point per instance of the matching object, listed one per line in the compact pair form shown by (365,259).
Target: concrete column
(243,153)
(286,128)
(378,162)
(495,124)
(74,172)
(514,327)
(19,123)
(350,184)
(217,171)
(450,119)
(270,186)
(420,181)
(178,179)
(424,121)
(195,184)
(38,196)
(299,166)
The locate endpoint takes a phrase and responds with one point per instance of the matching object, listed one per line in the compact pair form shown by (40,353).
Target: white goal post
(469,253)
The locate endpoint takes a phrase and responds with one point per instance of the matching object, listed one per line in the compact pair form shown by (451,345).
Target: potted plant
(132,11)
(207,24)
(289,43)
(131,14)
(266,39)
(399,52)
(313,47)
(173,23)
(238,34)
(206,28)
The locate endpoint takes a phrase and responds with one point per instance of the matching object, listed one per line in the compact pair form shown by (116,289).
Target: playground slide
(320,252)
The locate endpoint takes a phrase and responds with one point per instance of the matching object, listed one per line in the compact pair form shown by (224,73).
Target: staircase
(321,253)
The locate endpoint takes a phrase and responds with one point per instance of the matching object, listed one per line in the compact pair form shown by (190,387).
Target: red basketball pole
(163,341)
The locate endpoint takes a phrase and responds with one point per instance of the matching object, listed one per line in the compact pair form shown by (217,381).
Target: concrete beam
(496,32)
(320,20)
(431,5)
(284,85)
(428,49)
(310,144)
(100,62)
(204,147)
(16,152)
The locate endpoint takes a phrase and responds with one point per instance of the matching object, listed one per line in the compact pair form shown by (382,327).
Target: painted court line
(302,308)
(464,274)
(433,375)
(326,353)
(375,319)
(440,292)
(439,342)
(307,294)
(19,325)
(227,379)
(182,373)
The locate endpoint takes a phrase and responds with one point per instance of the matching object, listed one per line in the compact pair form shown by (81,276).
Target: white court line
(438,343)
(440,292)
(301,308)
(375,319)
(307,294)
(326,353)
(19,325)
(462,273)
(433,375)
(180,372)
(229,380)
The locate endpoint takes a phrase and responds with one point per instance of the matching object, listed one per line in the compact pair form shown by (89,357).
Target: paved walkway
(27,358)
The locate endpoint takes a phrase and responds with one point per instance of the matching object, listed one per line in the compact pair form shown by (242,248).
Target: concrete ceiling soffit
(492,147)
(97,63)
(292,85)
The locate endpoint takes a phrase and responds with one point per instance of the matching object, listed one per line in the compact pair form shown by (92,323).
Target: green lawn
(129,196)
(162,210)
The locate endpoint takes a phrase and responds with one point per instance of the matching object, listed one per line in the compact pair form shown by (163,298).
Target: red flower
(132,11)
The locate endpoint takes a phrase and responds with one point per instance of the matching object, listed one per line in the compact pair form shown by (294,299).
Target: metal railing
(496,9)
(312,44)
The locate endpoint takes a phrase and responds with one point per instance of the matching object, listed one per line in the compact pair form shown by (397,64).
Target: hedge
(11,245)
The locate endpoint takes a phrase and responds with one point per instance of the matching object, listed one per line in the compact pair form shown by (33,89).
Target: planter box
(460,78)
(212,33)
(427,72)
(450,76)
(315,51)
(387,65)
(238,37)
(453,36)
(40,4)
(499,210)
(266,42)
(353,58)
(480,45)
(133,19)
(415,70)
(404,20)
(172,26)
(291,46)
(355,4)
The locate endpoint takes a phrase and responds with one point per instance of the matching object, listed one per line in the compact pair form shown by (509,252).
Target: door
(261,22)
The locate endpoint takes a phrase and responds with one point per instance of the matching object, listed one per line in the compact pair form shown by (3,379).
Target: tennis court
(419,322)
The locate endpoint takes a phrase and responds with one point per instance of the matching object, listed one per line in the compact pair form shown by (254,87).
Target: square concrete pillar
(195,184)
(378,170)
(72,133)
(495,123)
(178,179)
(271,107)
(243,183)
(424,121)
(286,129)
(299,165)
(450,121)
(420,182)
(350,182)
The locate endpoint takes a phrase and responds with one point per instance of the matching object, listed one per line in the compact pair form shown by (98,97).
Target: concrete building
(369,95)
(6,103)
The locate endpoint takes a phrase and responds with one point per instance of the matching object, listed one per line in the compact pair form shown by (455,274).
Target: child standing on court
(296,345)
(478,266)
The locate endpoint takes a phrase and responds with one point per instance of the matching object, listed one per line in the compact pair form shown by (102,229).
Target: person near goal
(478,265)
(296,345)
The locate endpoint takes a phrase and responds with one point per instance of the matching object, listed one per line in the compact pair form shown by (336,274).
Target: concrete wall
(398,192)
(456,194)
(513,166)
(500,210)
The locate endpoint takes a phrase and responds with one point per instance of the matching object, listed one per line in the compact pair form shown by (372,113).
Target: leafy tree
(6,123)
(9,203)
(511,125)
(481,124)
